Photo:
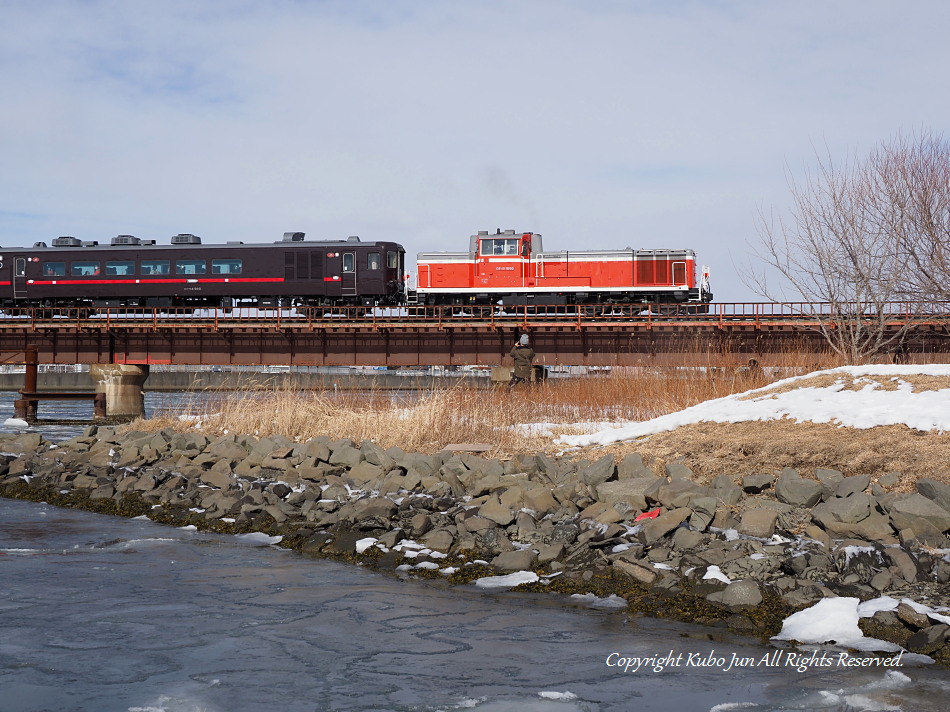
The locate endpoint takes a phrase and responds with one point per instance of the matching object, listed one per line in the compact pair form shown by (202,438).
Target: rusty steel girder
(424,343)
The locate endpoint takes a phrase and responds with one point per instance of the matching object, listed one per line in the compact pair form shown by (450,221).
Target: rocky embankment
(741,552)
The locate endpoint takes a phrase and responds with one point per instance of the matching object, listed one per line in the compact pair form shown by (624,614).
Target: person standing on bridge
(523,355)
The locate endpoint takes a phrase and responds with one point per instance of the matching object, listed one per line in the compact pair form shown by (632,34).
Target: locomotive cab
(504,259)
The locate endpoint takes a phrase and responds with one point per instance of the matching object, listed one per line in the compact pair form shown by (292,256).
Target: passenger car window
(155,267)
(120,268)
(54,269)
(349,262)
(226,266)
(372,260)
(190,267)
(84,269)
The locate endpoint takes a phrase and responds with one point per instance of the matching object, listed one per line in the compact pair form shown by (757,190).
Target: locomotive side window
(156,267)
(54,269)
(372,260)
(349,262)
(120,268)
(226,266)
(190,267)
(500,247)
(84,269)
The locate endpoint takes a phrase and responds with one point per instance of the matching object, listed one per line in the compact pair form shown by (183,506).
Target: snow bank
(865,408)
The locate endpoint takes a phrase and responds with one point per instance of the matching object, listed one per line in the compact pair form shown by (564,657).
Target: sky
(601,125)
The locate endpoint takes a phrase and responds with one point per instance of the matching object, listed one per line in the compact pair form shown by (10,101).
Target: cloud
(651,124)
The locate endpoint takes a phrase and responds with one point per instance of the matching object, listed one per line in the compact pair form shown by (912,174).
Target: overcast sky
(599,124)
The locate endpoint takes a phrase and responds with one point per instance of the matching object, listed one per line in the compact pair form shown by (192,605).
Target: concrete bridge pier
(122,384)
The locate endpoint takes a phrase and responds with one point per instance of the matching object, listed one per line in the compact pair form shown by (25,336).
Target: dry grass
(917,383)
(711,449)
(432,420)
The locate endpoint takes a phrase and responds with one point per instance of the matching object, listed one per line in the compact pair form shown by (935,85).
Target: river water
(101,613)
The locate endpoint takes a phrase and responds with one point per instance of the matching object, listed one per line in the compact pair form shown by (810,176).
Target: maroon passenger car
(138,273)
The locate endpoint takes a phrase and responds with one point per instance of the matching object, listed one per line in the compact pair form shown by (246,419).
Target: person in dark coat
(523,355)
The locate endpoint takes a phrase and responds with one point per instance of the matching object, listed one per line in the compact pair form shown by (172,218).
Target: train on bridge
(503,268)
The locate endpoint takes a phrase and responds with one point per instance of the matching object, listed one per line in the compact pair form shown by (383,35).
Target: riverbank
(260,380)
(741,551)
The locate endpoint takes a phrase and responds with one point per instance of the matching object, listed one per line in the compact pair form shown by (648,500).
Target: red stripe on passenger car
(153,281)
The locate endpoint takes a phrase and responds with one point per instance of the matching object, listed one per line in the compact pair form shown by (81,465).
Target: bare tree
(912,194)
(868,239)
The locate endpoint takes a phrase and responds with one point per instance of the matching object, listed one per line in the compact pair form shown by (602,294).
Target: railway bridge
(121,343)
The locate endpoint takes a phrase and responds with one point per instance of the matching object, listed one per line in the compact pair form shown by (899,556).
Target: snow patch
(508,580)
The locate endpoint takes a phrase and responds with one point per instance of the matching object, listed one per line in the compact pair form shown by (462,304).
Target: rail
(759,315)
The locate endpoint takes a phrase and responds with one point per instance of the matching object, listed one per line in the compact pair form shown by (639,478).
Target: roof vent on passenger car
(91,243)
(186,238)
(293,236)
(235,242)
(65,241)
(125,240)
(39,245)
(353,238)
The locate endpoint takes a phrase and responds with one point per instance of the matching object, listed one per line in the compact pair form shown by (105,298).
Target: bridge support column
(122,384)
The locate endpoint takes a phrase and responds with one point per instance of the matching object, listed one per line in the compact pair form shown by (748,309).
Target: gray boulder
(632,490)
(756,484)
(830,479)
(522,560)
(378,508)
(685,539)
(889,480)
(600,472)
(643,574)
(678,471)
(676,493)
(439,539)
(930,639)
(654,529)
(725,490)
(758,522)
(632,467)
(704,510)
(737,595)
(497,512)
(936,492)
(852,485)
(905,565)
(849,510)
(795,490)
(215,478)
(345,456)
(364,473)
(907,509)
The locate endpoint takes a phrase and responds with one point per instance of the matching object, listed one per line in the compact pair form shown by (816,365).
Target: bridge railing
(756,313)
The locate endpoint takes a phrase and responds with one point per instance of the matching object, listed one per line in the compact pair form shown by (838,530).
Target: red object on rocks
(653,514)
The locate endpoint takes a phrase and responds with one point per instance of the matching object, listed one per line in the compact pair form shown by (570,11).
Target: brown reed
(428,421)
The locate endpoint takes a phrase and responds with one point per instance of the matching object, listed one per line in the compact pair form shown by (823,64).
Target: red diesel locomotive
(510,268)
